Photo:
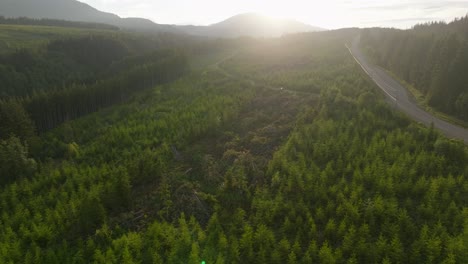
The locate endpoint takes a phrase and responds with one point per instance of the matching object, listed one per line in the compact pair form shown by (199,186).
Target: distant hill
(73,10)
(250,24)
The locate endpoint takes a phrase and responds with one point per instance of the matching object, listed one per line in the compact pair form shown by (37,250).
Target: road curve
(397,95)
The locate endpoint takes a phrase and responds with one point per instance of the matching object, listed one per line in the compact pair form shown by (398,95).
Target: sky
(329,14)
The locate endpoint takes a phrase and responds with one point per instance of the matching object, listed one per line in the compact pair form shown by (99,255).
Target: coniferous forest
(432,57)
(117,147)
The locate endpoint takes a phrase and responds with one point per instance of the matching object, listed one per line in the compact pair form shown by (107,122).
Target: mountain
(250,24)
(73,10)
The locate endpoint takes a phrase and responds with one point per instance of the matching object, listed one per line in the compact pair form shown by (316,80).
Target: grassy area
(420,99)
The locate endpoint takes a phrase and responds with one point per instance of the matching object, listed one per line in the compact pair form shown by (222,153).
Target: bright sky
(329,14)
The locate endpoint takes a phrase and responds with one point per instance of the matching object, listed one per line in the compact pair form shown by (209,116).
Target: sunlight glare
(327,14)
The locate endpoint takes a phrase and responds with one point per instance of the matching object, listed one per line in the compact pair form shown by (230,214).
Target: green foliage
(47,81)
(14,161)
(57,107)
(15,37)
(14,120)
(223,166)
(91,215)
(433,57)
(451,151)
(25,72)
(54,23)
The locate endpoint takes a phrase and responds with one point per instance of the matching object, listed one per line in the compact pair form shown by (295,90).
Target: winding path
(398,96)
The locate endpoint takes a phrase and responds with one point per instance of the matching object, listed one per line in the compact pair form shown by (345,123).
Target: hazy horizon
(331,14)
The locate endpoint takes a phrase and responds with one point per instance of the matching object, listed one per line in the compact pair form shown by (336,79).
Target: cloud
(411,20)
(404,14)
(324,13)
(411,4)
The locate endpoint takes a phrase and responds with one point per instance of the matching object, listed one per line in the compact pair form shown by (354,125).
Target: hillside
(82,70)
(15,37)
(73,10)
(252,25)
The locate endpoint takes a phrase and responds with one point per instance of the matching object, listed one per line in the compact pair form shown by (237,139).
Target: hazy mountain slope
(250,24)
(56,9)
(73,10)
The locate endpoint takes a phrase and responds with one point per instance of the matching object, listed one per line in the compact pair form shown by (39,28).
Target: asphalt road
(397,95)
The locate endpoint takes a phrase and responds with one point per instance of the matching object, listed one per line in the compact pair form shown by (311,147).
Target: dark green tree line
(433,57)
(54,23)
(47,110)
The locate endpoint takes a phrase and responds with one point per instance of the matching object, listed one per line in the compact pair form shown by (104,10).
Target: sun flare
(324,14)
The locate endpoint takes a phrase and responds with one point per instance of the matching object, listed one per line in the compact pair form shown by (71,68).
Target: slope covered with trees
(71,59)
(54,23)
(432,57)
(282,152)
(78,74)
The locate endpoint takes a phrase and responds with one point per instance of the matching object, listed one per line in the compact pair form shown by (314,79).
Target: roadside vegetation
(431,57)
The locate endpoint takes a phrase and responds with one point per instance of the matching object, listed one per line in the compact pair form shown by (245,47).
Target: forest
(432,57)
(71,77)
(224,151)
(54,23)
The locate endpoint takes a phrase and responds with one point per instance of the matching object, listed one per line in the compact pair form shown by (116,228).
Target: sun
(327,14)
(274,10)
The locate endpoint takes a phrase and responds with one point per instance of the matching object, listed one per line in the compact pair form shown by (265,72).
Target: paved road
(397,95)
